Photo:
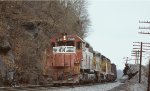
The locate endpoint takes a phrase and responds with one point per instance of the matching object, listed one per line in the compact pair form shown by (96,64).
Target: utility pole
(135,53)
(140,63)
(142,49)
(148,87)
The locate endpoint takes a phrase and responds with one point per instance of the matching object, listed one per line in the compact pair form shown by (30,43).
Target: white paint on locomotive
(64,49)
(86,63)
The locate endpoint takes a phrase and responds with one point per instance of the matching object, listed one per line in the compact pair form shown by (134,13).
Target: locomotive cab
(64,61)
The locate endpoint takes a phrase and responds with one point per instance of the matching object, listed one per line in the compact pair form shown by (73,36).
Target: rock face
(133,84)
(25,29)
(6,58)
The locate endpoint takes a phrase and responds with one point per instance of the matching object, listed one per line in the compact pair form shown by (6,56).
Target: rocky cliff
(25,30)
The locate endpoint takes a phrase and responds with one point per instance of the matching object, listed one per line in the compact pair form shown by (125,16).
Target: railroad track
(50,86)
(47,87)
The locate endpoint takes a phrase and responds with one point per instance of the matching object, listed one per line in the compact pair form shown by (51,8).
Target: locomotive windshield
(68,43)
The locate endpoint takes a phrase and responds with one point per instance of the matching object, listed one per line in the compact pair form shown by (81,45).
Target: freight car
(72,60)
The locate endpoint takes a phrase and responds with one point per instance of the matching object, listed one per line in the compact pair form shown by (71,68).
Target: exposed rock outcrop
(25,30)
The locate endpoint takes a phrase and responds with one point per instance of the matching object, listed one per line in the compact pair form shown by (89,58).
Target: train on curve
(73,60)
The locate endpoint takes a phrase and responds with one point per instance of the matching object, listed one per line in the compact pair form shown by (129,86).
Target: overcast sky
(114,27)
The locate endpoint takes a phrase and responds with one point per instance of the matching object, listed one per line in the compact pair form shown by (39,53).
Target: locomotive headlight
(64,35)
(64,38)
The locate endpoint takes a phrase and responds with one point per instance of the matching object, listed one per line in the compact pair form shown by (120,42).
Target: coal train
(72,60)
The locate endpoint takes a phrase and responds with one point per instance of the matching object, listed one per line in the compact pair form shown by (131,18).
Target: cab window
(79,45)
(87,45)
(53,44)
(68,43)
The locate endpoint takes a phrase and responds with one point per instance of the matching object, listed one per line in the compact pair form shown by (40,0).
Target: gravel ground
(96,87)
(121,87)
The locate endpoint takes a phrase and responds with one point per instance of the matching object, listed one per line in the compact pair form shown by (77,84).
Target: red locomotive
(72,60)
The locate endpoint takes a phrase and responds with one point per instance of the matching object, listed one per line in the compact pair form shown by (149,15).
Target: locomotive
(72,60)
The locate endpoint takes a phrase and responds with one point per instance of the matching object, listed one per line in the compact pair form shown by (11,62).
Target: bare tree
(29,25)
